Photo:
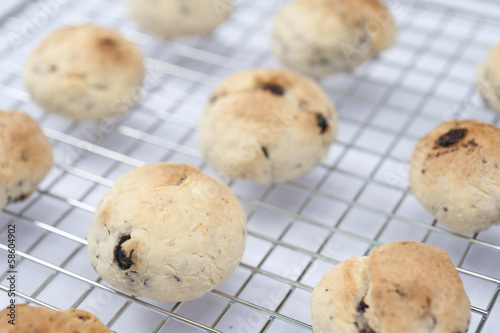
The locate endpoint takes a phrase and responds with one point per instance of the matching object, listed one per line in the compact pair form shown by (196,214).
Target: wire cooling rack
(357,199)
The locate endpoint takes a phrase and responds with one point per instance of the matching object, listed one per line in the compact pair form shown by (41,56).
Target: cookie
(84,73)
(455,174)
(30,319)
(170,18)
(168,232)
(324,37)
(25,156)
(488,79)
(400,287)
(267,125)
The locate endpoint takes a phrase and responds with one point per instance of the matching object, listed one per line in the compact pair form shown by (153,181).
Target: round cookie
(400,287)
(85,72)
(168,232)
(488,79)
(267,125)
(455,174)
(172,18)
(30,319)
(25,156)
(324,37)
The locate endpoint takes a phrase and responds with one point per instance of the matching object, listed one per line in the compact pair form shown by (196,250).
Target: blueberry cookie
(170,18)
(455,174)
(267,125)
(324,37)
(25,156)
(400,287)
(85,72)
(168,232)
(30,319)
(488,79)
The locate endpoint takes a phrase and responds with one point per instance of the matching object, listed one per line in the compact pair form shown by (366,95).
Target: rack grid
(358,198)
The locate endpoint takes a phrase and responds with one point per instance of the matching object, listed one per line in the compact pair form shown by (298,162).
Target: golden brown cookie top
(261,95)
(87,49)
(340,20)
(462,147)
(416,282)
(30,319)
(401,287)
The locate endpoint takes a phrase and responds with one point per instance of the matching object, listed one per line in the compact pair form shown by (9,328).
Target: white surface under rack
(357,199)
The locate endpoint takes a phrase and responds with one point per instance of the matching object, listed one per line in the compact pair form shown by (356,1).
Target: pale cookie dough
(455,174)
(170,18)
(85,72)
(488,79)
(402,287)
(324,37)
(25,156)
(30,319)
(267,125)
(168,232)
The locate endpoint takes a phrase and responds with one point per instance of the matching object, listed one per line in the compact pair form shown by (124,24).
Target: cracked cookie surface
(455,174)
(85,72)
(267,125)
(168,232)
(25,156)
(401,287)
(324,37)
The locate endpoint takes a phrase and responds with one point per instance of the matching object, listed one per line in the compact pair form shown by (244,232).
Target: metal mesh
(357,199)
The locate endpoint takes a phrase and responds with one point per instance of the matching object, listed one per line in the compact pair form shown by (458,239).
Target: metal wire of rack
(357,199)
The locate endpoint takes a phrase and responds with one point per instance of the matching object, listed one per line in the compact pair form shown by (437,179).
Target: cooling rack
(355,200)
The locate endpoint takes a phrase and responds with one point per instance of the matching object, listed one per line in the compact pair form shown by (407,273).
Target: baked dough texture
(171,18)
(25,156)
(30,319)
(402,287)
(168,232)
(455,174)
(324,37)
(85,73)
(267,125)
(488,79)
